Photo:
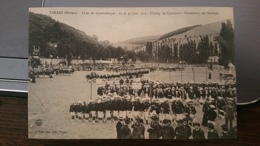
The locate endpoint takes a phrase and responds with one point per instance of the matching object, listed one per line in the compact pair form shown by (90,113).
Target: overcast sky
(122,27)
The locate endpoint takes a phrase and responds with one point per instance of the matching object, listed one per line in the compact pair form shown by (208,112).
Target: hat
(120,117)
(127,120)
(154,117)
(212,106)
(196,124)
(166,121)
(189,101)
(220,98)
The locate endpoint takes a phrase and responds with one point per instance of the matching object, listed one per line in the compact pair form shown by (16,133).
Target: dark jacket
(213,134)
(188,131)
(167,132)
(126,132)
(118,130)
(181,132)
(212,115)
(205,107)
(154,130)
(198,134)
(138,131)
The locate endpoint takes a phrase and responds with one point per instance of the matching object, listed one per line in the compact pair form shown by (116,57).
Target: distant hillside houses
(197,45)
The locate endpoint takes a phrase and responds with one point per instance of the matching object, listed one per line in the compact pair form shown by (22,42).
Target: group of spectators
(165,130)
(49,71)
(169,102)
(129,75)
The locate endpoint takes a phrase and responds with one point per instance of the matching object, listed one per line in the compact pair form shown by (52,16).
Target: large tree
(66,49)
(143,56)
(226,42)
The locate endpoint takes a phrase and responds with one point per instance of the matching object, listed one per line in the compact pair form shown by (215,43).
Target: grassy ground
(49,101)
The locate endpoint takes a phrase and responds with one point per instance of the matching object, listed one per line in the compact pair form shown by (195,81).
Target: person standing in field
(229,114)
(125,130)
(212,133)
(167,131)
(205,109)
(188,128)
(212,114)
(181,131)
(225,134)
(155,128)
(119,126)
(198,133)
(138,129)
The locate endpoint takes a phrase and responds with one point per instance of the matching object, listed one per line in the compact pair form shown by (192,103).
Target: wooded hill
(71,42)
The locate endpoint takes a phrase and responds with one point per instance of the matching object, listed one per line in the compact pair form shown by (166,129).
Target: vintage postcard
(132,73)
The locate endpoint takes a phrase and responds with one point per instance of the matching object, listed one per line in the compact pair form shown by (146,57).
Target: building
(196,45)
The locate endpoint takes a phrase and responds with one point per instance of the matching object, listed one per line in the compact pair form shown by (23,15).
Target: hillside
(211,28)
(59,40)
(136,43)
(141,40)
(178,31)
(44,29)
(39,23)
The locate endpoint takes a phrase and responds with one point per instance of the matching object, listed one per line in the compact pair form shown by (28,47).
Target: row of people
(128,74)
(108,109)
(171,89)
(43,71)
(219,95)
(127,103)
(48,72)
(166,130)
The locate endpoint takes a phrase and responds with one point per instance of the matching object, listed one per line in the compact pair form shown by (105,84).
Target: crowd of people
(126,74)
(169,102)
(136,130)
(49,71)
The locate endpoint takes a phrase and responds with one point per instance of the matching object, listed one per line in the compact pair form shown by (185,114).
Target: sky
(134,22)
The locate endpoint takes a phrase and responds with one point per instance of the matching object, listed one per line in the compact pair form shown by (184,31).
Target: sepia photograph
(132,73)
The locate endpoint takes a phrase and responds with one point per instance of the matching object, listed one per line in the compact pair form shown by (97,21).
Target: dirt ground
(49,101)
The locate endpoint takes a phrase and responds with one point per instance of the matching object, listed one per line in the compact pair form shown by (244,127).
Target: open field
(49,100)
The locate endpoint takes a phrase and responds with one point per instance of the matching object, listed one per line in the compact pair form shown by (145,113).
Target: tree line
(57,40)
